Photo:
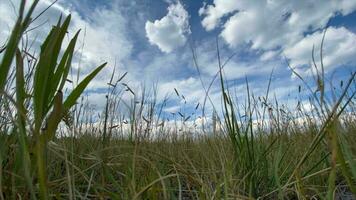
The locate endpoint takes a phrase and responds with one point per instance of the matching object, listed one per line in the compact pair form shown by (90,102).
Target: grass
(51,147)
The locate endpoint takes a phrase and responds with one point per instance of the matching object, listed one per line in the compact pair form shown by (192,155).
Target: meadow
(51,146)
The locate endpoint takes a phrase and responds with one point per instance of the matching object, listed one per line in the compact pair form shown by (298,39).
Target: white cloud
(169,32)
(270,24)
(268,55)
(172,109)
(235,68)
(191,89)
(339,49)
(103,37)
(214,13)
(288,27)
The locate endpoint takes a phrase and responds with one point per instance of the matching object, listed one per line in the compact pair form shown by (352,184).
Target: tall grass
(55,146)
(46,97)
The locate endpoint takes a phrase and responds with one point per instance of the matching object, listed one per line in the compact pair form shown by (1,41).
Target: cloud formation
(101,38)
(339,48)
(120,32)
(169,32)
(284,29)
(270,24)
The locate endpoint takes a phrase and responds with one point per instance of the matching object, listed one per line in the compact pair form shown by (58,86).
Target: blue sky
(151,40)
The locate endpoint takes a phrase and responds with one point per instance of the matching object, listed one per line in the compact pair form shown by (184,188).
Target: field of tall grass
(53,147)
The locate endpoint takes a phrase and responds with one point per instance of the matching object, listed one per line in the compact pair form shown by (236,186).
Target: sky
(154,41)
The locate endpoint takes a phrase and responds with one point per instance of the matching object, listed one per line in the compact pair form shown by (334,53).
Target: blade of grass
(75,94)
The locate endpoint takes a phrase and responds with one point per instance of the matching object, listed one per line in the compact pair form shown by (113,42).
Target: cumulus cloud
(339,49)
(102,39)
(214,13)
(169,32)
(270,24)
(287,27)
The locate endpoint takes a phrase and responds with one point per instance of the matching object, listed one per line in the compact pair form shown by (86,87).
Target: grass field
(52,148)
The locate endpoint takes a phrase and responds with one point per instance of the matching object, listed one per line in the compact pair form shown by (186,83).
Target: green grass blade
(21,120)
(9,53)
(60,76)
(14,40)
(43,85)
(41,77)
(75,94)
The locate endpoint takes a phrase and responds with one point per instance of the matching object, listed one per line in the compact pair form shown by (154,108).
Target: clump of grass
(35,126)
